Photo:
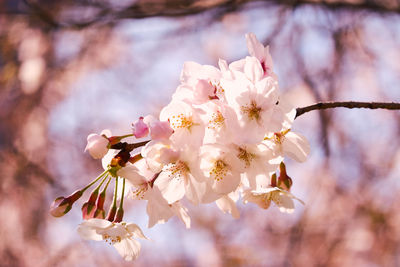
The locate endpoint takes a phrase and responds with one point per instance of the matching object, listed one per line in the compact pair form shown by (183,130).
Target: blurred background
(70,68)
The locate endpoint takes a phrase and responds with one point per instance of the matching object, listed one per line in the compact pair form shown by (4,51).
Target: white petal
(135,230)
(296,146)
(157,209)
(181,212)
(172,187)
(227,205)
(130,172)
(128,248)
(195,190)
(285,203)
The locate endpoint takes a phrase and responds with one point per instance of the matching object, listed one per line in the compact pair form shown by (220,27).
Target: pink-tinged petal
(172,186)
(268,63)
(203,90)
(296,146)
(160,130)
(253,69)
(256,49)
(128,249)
(227,205)
(140,129)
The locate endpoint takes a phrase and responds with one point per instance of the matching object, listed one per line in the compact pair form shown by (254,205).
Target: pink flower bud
(111,213)
(62,205)
(120,215)
(59,207)
(100,212)
(140,128)
(284,181)
(88,211)
(97,145)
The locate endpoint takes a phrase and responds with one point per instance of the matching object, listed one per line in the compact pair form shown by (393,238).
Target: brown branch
(180,8)
(348,104)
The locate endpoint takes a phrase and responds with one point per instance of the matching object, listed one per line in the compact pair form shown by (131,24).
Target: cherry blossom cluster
(223,137)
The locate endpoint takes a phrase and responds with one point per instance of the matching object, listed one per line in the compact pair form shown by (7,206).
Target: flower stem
(94,181)
(125,136)
(121,203)
(115,193)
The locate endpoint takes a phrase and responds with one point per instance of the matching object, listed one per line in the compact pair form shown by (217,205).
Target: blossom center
(252,111)
(112,239)
(177,170)
(217,120)
(246,156)
(219,170)
(181,121)
(139,192)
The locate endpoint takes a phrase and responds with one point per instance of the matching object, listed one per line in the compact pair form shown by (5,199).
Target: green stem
(105,188)
(121,203)
(125,136)
(115,193)
(101,183)
(94,181)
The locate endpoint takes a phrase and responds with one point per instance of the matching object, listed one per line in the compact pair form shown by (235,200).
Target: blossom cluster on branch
(224,136)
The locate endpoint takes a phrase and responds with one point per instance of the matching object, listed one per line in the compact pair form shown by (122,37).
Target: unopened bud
(97,144)
(59,207)
(89,207)
(88,211)
(284,181)
(273,180)
(62,205)
(111,213)
(100,212)
(140,128)
(120,215)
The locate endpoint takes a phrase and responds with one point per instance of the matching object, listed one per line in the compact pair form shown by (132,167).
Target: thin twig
(348,104)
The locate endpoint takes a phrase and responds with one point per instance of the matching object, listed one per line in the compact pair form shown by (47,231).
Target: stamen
(220,170)
(246,156)
(252,111)
(181,121)
(217,120)
(177,170)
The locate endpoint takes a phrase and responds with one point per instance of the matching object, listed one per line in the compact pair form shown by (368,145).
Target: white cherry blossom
(186,123)
(263,197)
(221,167)
(253,103)
(291,144)
(120,235)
